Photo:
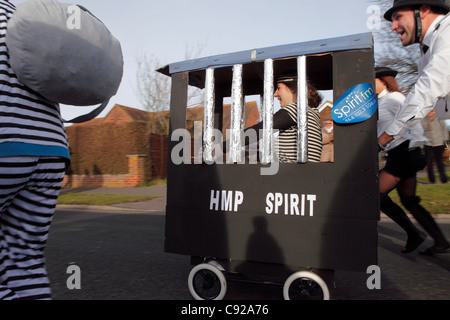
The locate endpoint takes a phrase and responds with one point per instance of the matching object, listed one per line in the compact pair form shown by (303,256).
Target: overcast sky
(165,28)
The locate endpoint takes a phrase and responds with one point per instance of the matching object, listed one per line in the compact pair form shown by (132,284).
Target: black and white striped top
(29,124)
(287,140)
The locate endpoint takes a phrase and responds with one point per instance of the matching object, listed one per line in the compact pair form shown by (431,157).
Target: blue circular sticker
(356,105)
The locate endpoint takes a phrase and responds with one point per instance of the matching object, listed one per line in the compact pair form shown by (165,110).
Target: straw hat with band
(384,72)
(287,77)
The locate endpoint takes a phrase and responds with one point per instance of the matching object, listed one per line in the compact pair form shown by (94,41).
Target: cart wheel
(207,282)
(305,285)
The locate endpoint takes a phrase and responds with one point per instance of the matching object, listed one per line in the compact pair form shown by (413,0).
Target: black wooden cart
(245,220)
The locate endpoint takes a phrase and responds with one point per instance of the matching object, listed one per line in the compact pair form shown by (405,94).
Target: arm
(433,83)
(281,121)
(386,113)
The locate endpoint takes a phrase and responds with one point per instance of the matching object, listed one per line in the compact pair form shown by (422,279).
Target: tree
(153,88)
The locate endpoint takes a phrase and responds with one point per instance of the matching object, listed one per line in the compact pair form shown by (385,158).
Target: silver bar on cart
(302,111)
(209,116)
(268,106)
(237,115)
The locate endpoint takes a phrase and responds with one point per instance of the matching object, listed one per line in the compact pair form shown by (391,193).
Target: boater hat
(384,72)
(289,76)
(409,3)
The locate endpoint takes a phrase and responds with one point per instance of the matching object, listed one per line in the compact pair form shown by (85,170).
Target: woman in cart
(404,160)
(285,120)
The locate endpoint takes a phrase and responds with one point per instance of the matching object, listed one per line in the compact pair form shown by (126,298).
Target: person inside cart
(285,120)
(327,140)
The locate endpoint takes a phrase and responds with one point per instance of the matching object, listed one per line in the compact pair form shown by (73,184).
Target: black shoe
(414,242)
(435,250)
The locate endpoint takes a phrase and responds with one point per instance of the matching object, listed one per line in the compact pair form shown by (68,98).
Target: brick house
(126,147)
(129,146)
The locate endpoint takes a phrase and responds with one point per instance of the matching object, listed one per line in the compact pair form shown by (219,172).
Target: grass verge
(100,199)
(435,197)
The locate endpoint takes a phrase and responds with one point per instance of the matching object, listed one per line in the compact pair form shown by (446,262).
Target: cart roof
(319,68)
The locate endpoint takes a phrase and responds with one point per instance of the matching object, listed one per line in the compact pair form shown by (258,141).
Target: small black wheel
(207,282)
(305,285)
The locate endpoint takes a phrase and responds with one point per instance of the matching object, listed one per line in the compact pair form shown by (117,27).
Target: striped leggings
(29,188)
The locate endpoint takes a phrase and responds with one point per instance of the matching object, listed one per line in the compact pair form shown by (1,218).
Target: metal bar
(268,107)
(302,111)
(209,115)
(237,115)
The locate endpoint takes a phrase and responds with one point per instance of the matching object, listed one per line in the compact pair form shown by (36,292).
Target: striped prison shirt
(285,121)
(287,140)
(30,125)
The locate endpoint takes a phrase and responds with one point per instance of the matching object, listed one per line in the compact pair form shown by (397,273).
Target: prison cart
(291,223)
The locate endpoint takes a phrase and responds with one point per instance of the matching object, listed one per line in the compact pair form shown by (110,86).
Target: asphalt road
(120,257)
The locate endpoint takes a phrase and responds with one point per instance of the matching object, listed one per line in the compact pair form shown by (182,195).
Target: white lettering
(193,310)
(311,198)
(228,200)
(278,201)
(294,204)
(374,20)
(198,142)
(291,204)
(374,281)
(74,281)
(303,205)
(213,153)
(74,20)
(181,153)
(214,203)
(286,201)
(238,200)
(269,205)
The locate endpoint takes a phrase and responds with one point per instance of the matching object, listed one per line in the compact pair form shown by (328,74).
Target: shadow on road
(121,256)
